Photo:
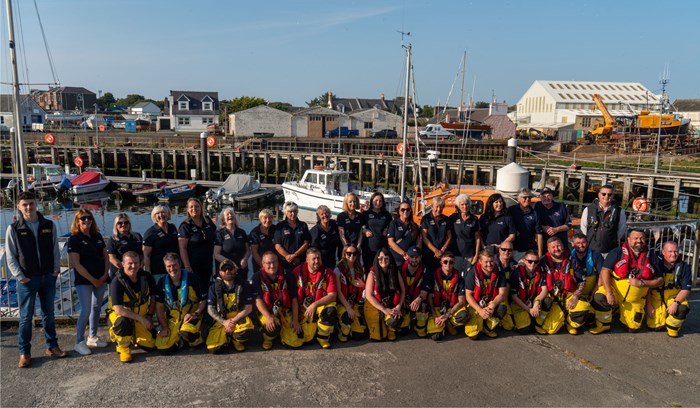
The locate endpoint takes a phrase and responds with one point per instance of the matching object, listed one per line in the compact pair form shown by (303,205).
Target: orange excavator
(601,133)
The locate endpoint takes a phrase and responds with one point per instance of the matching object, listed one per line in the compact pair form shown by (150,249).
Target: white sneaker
(82,348)
(95,342)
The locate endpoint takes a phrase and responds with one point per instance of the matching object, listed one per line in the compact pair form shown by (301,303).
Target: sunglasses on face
(530,261)
(227,268)
(383,258)
(505,249)
(122,223)
(405,209)
(525,198)
(85,218)
(605,194)
(448,262)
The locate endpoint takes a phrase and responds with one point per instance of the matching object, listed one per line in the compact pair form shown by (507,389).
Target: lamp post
(94,123)
(664,81)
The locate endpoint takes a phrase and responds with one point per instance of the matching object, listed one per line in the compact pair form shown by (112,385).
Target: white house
(373,120)
(192,111)
(30,112)
(260,119)
(554,104)
(145,108)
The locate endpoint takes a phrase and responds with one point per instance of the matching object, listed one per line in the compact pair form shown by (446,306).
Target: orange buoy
(318,167)
(49,138)
(211,141)
(78,161)
(399,148)
(101,128)
(640,204)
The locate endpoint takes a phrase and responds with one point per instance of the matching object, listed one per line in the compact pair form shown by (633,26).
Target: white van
(435,131)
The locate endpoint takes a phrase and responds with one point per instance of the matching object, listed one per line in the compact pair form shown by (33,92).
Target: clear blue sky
(293,51)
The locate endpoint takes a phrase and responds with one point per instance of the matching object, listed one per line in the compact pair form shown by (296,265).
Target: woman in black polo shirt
(196,240)
(495,223)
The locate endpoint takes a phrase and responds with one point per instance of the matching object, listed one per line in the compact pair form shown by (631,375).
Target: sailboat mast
(461,93)
(15,84)
(405,121)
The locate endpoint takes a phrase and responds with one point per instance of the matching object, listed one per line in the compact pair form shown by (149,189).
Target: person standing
(292,237)
(375,224)
(604,222)
(231,243)
(466,240)
(326,237)
(403,234)
(261,238)
(495,224)
(527,225)
(158,240)
(88,257)
(436,232)
(554,217)
(195,238)
(350,221)
(123,240)
(31,247)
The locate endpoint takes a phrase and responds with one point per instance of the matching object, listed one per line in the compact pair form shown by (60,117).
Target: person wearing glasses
(350,221)
(229,303)
(33,258)
(88,256)
(446,294)
(275,294)
(554,217)
(350,278)
(195,237)
(507,265)
(326,237)
(495,224)
(261,238)
(403,234)
(527,224)
(466,235)
(375,224)
(317,294)
(158,240)
(291,238)
(528,294)
(604,222)
(565,286)
(384,291)
(485,291)
(436,233)
(418,282)
(231,243)
(123,240)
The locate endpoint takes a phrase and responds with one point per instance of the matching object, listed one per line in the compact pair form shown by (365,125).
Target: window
(182,105)
(207,106)
(207,121)
(368,125)
(586,122)
(183,120)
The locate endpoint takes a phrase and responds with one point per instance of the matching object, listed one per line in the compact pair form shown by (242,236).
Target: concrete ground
(612,369)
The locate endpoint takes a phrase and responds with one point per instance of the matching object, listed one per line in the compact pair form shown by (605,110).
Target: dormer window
(183,105)
(207,106)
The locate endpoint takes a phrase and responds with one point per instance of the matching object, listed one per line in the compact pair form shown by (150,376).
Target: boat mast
(405,119)
(15,84)
(461,92)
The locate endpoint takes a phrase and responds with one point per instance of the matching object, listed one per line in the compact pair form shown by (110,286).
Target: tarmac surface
(612,369)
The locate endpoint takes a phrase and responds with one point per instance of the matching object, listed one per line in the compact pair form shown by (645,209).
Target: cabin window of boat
(312,178)
(322,179)
(53,172)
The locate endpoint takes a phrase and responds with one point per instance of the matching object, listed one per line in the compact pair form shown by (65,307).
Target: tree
(481,104)
(283,106)
(106,100)
(245,102)
(130,100)
(427,111)
(319,100)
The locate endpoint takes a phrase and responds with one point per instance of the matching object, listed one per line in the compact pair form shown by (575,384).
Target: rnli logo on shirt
(432,222)
(458,222)
(371,216)
(499,222)
(286,231)
(227,236)
(400,228)
(300,232)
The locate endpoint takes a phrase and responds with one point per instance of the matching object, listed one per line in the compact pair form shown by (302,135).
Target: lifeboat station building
(555,106)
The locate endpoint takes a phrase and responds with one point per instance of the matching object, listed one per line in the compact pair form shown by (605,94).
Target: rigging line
(46,46)
(21,49)
(417,140)
(449,95)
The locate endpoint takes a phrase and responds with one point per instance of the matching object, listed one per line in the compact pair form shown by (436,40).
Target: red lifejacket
(312,286)
(385,298)
(481,289)
(529,287)
(642,265)
(275,290)
(413,289)
(350,286)
(562,276)
(445,292)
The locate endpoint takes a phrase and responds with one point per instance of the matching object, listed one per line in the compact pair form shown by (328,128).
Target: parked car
(342,132)
(385,134)
(436,131)
(215,129)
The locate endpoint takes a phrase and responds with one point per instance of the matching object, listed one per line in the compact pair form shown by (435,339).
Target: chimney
(381,96)
(330,100)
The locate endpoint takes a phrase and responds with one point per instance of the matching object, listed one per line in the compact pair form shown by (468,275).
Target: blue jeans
(90,299)
(45,287)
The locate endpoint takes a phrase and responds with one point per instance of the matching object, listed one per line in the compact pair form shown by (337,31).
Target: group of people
(368,273)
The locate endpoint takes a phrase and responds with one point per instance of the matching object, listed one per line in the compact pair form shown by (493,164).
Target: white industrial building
(569,104)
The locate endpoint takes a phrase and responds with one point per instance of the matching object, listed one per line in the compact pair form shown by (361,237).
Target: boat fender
(78,161)
(640,204)
(318,167)
(49,138)
(211,141)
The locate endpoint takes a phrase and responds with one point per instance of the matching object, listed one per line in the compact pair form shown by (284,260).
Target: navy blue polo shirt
(291,239)
(555,216)
(464,234)
(351,227)
(402,233)
(233,244)
(436,228)
(378,223)
(527,225)
(328,242)
(495,231)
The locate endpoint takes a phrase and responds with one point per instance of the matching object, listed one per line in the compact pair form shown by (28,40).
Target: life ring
(640,204)
(211,141)
(78,161)
(101,128)
(318,167)
(49,138)
(399,148)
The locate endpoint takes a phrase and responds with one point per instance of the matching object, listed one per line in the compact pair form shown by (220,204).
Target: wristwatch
(641,283)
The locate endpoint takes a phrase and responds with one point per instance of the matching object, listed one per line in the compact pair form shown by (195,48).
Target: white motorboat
(43,175)
(86,182)
(235,186)
(328,187)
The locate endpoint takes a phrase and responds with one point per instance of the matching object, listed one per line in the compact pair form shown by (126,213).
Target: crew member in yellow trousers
(384,297)
(132,303)
(180,305)
(317,294)
(565,284)
(350,280)
(276,301)
(417,281)
(485,290)
(528,293)
(229,303)
(667,305)
(626,276)
(446,294)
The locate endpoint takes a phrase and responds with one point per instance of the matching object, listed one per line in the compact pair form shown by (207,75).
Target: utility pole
(662,105)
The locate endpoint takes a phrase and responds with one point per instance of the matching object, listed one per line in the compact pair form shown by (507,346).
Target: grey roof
(355,104)
(687,105)
(71,90)
(196,98)
(7,102)
(141,104)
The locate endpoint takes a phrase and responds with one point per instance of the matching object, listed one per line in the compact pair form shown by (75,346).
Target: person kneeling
(180,306)
(485,290)
(132,302)
(317,292)
(448,300)
(229,303)
(528,293)
(667,304)
(385,294)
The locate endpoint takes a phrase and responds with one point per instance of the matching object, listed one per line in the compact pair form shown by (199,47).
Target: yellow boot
(240,346)
(124,354)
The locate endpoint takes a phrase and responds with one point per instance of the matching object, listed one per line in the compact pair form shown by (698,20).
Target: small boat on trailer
(178,192)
